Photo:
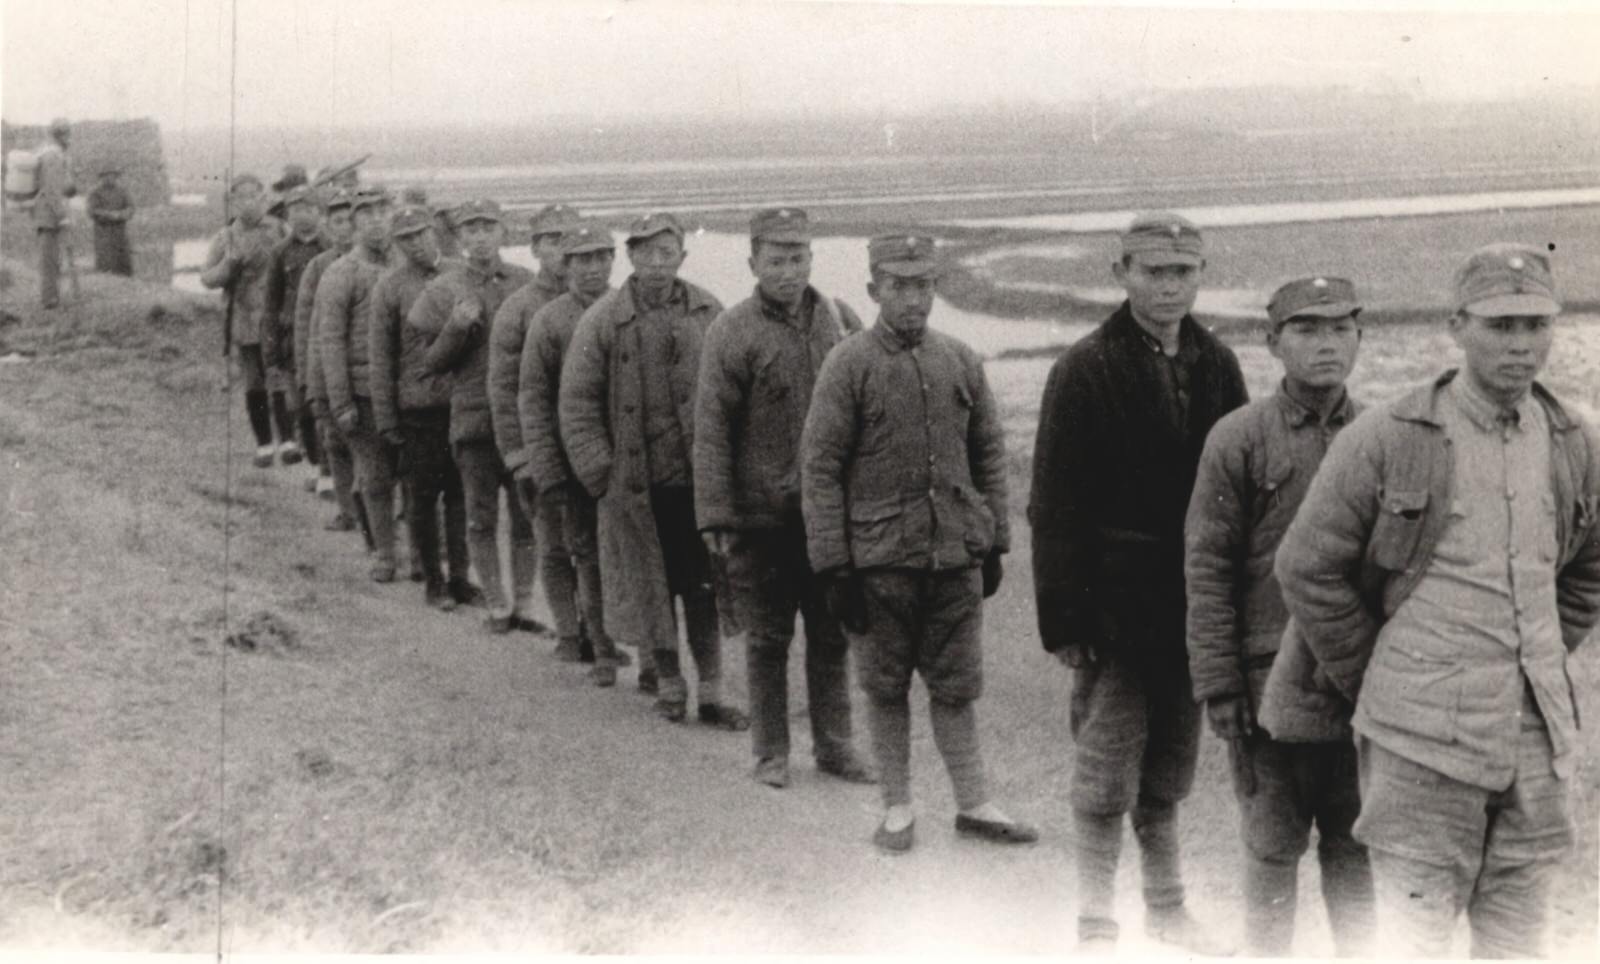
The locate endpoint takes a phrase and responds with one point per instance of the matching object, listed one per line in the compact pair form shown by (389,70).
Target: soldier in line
(110,208)
(455,310)
(338,481)
(627,420)
(760,364)
(1291,771)
(1442,569)
(286,266)
(293,176)
(411,411)
(903,492)
(507,335)
(344,315)
(51,215)
(566,519)
(1125,413)
(237,263)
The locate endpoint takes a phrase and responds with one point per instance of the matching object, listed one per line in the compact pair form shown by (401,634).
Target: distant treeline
(1564,125)
(134,146)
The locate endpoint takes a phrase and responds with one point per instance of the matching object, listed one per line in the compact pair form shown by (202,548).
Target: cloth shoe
(847,767)
(497,625)
(325,488)
(289,453)
(894,841)
(382,572)
(723,716)
(528,624)
(995,831)
(648,682)
(264,456)
(566,650)
(772,771)
(1176,926)
(339,523)
(604,675)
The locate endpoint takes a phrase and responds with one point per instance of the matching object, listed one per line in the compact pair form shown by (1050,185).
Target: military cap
(481,209)
(302,194)
(1165,238)
(903,255)
(342,199)
(409,220)
(780,225)
(293,175)
(653,224)
(241,180)
(60,124)
(1323,296)
(553,219)
(414,195)
(1506,279)
(110,169)
(586,236)
(367,197)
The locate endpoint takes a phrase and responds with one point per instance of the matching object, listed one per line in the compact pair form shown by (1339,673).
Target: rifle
(227,308)
(338,172)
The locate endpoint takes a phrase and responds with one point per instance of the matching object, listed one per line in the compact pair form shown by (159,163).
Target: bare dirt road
(359,773)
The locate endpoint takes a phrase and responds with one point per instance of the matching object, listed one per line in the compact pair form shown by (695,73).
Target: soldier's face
(249,202)
(903,303)
(303,218)
(656,261)
(589,272)
(1316,352)
(372,224)
(339,226)
(1504,353)
(1158,292)
(782,270)
(482,239)
(547,248)
(419,246)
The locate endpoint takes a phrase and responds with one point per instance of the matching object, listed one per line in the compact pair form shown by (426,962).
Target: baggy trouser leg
(555,564)
(1275,825)
(579,535)
(767,670)
(705,642)
(455,521)
(1155,825)
(955,733)
(524,551)
(310,441)
(341,466)
(49,266)
(480,478)
(1346,871)
(1098,848)
(827,664)
(885,657)
(889,719)
(375,476)
(950,658)
(283,416)
(1270,886)
(688,577)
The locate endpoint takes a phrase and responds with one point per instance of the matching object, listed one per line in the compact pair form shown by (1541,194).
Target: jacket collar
(891,340)
(496,271)
(692,295)
(1298,414)
(1422,404)
(1124,327)
(550,284)
(773,311)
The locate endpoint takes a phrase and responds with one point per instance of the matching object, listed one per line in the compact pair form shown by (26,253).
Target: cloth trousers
(375,474)
(689,579)
(257,405)
(770,580)
(1282,790)
(484,477)
(49,266)
(112,254)
(567,529)
(429,473)
(341,465)
(930,623)
(1440,846)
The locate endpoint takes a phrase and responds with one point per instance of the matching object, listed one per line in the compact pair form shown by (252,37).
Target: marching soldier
(110,208)
(338,479)
(454,310)
(1254,471)
(566,517)
(903,491)
(627,420)
(411,411)
(284,271)
(1125,413)
(344,315)
(761,361)
(237,263)
(507,335)
(51,215)
(1441,571)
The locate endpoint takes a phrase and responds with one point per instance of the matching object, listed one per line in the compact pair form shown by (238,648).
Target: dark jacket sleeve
(1065,542)
(986,453)
(506,336)
(1216,541)
(827,446)
(1320,559)
(383,354)
(585,432)
(1578,582)
(334,323)
(537,402)
(719,401)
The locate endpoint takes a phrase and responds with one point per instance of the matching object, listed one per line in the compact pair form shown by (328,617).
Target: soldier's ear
(1119,270)
(872,292)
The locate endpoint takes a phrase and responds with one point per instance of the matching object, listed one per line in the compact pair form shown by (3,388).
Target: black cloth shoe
(995,831)
(894,841)
(725,717)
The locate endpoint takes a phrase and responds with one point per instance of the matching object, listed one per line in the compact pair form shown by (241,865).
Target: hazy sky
(336,62)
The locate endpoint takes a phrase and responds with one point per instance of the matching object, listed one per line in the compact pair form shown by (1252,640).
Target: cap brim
(460,222)
(1497,306)
(784,237)
(1331,309)
(408,232)
(661,230)
(907,269)
(1157,258)
(591,246)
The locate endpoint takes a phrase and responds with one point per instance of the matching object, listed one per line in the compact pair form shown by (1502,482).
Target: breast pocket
(1401,515)
(1270,491)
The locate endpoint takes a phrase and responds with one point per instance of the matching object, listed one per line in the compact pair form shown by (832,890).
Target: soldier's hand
(348,419)
(1230,717)
(468,311)
(1077,655)
(845,597)
(993,572)
(392,437)
(718,542)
